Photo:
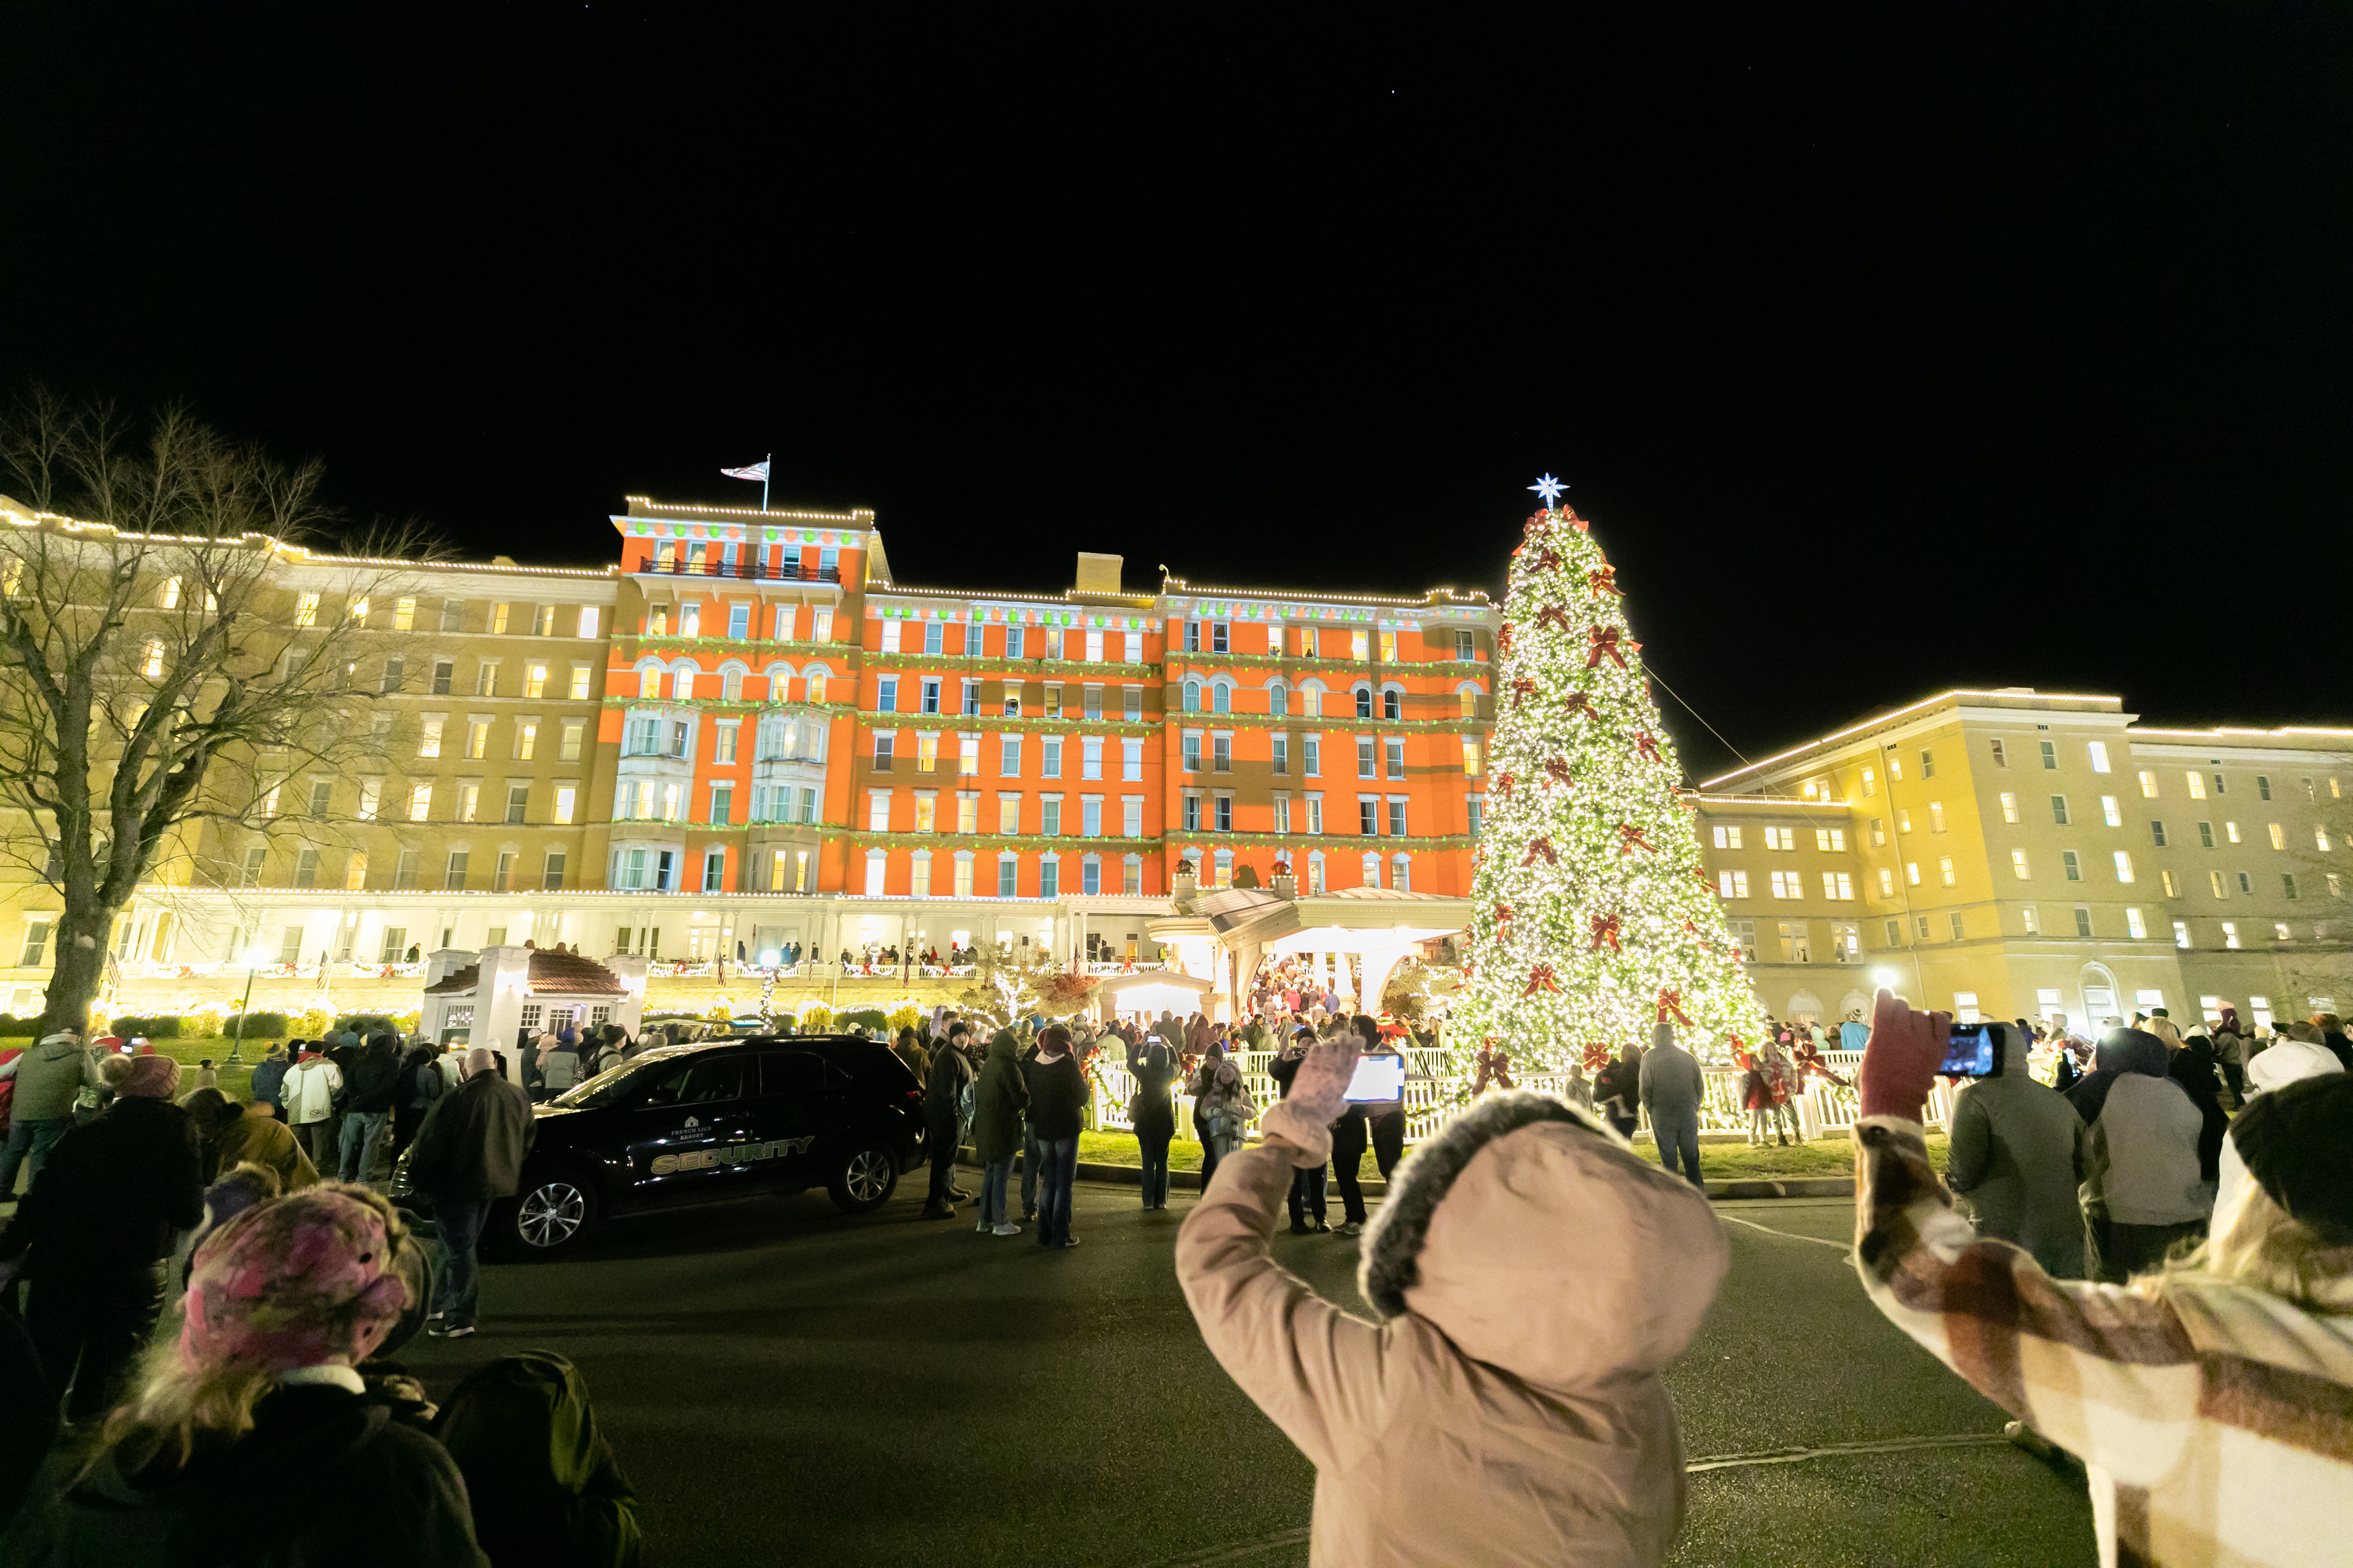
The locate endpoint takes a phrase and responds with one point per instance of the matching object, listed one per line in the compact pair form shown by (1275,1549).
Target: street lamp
(252,965)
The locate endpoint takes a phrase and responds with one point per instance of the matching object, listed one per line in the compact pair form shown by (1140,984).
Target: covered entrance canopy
(1152,993)
(1233,929)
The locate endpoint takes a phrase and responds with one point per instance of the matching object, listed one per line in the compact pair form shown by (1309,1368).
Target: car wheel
(865,1180)
(553,1214)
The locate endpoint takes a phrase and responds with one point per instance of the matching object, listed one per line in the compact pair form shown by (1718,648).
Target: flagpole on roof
(766,464)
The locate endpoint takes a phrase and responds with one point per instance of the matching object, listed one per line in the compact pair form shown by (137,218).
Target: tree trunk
(81,948)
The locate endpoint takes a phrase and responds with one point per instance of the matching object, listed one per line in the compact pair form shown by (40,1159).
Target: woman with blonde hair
(2211,1399)
(284,1303)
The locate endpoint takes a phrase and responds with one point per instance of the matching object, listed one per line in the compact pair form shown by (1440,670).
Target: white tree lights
(1592,916)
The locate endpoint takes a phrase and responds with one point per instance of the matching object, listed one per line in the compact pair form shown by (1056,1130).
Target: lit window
(2279,837)
(1733,884)
(2230,831)
(1886,882)
(2027,915)
(2134,926)
(2172,890)
(1870,781)
(1728,836)
(1945,870)
(1785,885)
(1878,832)
(1838,885)
(1781,839)
(2181,933)
(2197,782)
(2099,750)
(1904,820)
(151,667)
(306,610)
(2124,866)
(1912,872)
(2108,811)
(2230,933)
(2147,785)
(2018,864)
(2214,884)
(1831,839)
(2000,754)
(1935,814)
(2279,930)
(2009,807)
(2321,839)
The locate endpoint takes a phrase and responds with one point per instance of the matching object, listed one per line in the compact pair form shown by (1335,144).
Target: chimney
(1097,573)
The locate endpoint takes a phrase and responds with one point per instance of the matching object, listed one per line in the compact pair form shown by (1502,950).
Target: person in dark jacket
(999,1101)
(268,1074)
(1617,1091)
(49,1079)
(95,1233)
(1058,1099)
(1153,1067)
(909,1052)
(542,1478)
(1033,1153)
(468,1153)
(945,1077)
(286,1302)
(1308,1187)
(369,1089)
(421,1084)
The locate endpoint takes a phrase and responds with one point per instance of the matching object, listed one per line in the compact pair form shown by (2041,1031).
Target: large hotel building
(750,738)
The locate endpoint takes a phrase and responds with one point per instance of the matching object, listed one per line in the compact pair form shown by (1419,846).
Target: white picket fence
(1823,1108)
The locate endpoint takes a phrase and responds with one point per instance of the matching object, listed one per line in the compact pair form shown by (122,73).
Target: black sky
(1890,347)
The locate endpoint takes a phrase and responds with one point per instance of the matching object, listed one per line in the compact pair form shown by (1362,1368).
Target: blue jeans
(460,1228)
(29,1142)
(1678,1132)
(360,1130)
(1033,1154)
(1061,1159)
(992,1190)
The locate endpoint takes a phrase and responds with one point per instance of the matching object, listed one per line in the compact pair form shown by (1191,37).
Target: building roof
(552,974)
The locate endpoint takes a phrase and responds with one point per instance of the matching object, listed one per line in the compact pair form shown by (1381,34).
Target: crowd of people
(294,1284)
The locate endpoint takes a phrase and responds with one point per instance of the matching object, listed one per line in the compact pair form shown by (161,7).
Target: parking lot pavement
(786,1384)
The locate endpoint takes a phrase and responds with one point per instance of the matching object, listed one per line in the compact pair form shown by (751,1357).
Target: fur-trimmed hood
(1536,1241)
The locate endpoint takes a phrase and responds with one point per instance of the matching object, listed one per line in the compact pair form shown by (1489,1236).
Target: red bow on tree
(1503,786)
(1581,702)
(1603,580)
(1704,880)
(1630,838)
(1596,1056)
(1605,642)
(1556,770)
(1671,1002)
(1494,1065)
(1605,928)
(1504,638)
(1546,558)
(1540,979)
(1647,745)
(1692,927)
(1555,615)
(1522,687)
(1536,525)
(1540,846)
(1502,918)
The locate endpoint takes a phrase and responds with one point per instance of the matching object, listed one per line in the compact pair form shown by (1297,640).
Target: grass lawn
(1728,1162)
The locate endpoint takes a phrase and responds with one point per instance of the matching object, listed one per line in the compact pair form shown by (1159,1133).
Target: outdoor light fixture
(1885,977)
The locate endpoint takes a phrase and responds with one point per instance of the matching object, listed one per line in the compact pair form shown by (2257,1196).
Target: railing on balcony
(755,569)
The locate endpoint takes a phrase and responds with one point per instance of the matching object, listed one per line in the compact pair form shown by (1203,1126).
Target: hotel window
(1359,647)
(2279,837)
(1732,884)
(1316,814)
(926,811)
(1192,817)
(1221,753)
(1837,886)
(1894,933)
(878,811)
(891,634)
(2134,925)
(1008,813)
(1728,836)
(2263,786)
(1311,756)
(1912,872)
(886,694)
(1879,832)
(2336,886)
(1965,1007)
(2230,933)
(1870,781)
(2099,750)
(2018,864)
(1090,757)
(2026,917)
(1927,763)
(2000,756)
(1364,756)
(1954,919)
(453,874)
(518,802)
(2230,831)
(1781,839)
(2206,836)
(1131,760)
(1221,636)
(2287,886)
(1935,816)
(1050,756)
(2108,811)
(1895,769)
(1886,881)
(2280,930)
(1091,817)
(931,698)
(1008,756)
(1392,705)
(2124,866)
(1394,754)
(565,794)
(2181,933)
(2058,809)
(1787,885)
(2156,833)
(420,801)
(1846,943)
(1904,820)
(2197,782)
(1094,654)
(1050,877)
(2069,864)
(1474,756)
(1396,818)
(1190,753)
(2321,839)
(2050,755)
(1474,809)
(1945,870)
(2082,919)
(1368,815)
(927,753)
(1224,814)
(2215,885)
(2171,890)
(1796,945)
(934,637)
(526,739)
(2009,807)
(1832,839)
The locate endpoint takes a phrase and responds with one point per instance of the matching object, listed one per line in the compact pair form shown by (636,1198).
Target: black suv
(706,1123)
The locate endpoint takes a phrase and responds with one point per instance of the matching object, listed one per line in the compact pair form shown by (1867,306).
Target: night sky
(1889,347)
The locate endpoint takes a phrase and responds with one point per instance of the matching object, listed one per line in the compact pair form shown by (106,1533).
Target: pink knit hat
(301,1280)
(150,1078)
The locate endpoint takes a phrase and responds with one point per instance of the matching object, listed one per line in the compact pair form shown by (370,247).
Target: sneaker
(1008,1228)
(1323,1229)
(452,1331)
(1351,1228)
(980,1225)
(942,1212)
(1069,1241)
(959,1195)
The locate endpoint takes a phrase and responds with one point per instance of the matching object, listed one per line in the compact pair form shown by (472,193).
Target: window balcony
(753,571)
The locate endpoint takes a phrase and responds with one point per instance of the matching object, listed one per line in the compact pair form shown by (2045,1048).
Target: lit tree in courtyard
(1592,918)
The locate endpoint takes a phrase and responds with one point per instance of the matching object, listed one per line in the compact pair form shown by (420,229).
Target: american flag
(758,470)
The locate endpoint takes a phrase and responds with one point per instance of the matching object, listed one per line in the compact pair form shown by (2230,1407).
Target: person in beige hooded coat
(1531,1276)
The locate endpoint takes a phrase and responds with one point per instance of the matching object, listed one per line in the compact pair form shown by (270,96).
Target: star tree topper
(1548,489)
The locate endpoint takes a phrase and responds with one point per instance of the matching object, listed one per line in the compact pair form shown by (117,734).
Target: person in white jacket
(309,1092)
(1530,1276)
(2142,1189)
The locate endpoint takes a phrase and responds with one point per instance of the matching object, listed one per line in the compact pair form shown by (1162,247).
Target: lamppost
(252,966)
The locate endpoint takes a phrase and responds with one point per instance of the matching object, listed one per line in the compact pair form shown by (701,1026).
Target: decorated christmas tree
(1592,917)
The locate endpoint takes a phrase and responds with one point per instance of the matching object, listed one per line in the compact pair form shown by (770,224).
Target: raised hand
(1318,1095)
(1900,1059)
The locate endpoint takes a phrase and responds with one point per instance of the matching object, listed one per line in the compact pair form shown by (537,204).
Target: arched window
(682,682)
(1392,704)
(1221,698)
(1364,702)
(1372,869)
(1192,696)
(818,676)
(649,683)
(1401,873)
(1225,864)
(1315,872)
(1278,699)
(730,684)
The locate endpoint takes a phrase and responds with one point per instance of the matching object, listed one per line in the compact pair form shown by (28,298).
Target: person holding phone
(1307,1186)
(1153,1067)
(1376,1104)
(2018,1157)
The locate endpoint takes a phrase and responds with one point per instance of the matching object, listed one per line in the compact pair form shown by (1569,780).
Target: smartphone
(1377,1078)
(1975,1050)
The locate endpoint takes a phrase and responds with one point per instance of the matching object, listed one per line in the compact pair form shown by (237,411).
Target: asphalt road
(784,1384)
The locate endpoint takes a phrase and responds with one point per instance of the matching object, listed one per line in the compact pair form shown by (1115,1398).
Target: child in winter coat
(1530,1276)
